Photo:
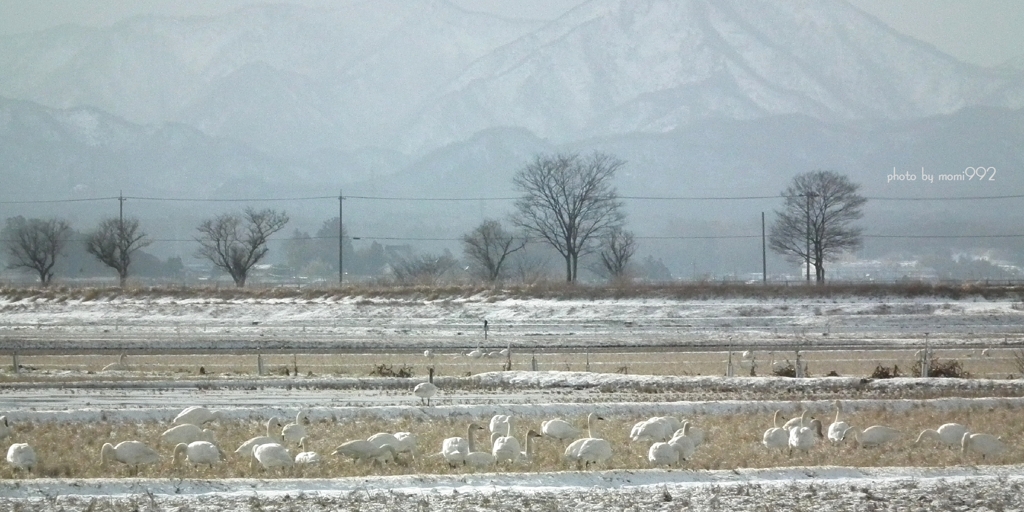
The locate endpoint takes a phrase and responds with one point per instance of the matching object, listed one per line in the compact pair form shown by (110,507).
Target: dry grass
(71,450)
(553,289)
(1000,363)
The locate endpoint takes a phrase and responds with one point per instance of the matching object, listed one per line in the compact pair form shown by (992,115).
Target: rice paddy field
(350,366)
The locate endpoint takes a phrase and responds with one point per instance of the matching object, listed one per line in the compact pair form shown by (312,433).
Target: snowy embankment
(793,488)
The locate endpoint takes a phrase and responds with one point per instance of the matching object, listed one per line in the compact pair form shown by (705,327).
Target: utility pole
(120,208)
(764,254)
(341,239)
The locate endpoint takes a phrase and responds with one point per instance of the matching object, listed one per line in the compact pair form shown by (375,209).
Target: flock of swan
(801,434)
(672,442)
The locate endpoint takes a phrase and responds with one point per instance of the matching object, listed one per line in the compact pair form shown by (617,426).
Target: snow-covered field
(452,325)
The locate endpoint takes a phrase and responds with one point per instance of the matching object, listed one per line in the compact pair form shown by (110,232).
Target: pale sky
(985,32)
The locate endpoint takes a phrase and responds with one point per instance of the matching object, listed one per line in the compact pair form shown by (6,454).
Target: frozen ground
(386,325)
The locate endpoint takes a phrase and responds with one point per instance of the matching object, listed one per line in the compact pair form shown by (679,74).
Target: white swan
(21,456)
(197,452)
(272,425)
(987,445)
(294,432)
(454,450)
(805,436)
(428,354)
(131,453)
(662,454)
(305,456)
(407,442)
(589,450)
(426,391)
(694,432)
(120,365)
(474,458)
(657,429)
(683,442)
(950,434)
(874,435)
(559,429)
(186,433)
(475,354)
(507,448)
(197,415)
(500,423)
(776,438)
(837,429)
(360,449)
(272,455)
(5,428)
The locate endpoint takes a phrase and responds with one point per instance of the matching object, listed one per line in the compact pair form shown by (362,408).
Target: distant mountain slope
(415,75)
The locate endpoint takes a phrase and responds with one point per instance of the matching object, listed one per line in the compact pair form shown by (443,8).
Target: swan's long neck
(775,420)
(838,409)
(590,425)
(469,438)
(528,445)
(803,418)
(929,433)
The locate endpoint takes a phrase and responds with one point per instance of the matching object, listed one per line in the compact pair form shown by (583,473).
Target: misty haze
(420,114)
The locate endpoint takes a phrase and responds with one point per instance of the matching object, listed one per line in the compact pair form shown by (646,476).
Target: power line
(466,199)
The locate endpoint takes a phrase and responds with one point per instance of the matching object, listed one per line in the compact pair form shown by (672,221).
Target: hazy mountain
(416,75)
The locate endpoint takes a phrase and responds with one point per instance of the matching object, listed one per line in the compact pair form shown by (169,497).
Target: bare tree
(237,243)
(427,269)
(568,201)
(488,246)
(619,247)
(35,244)
(114,242)
(817,215)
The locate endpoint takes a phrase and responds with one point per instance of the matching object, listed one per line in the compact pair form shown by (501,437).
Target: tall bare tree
(425,269)
(488,246)
(114,242)
(569,201)
(815,222)
(236,243)
(35,244)
(619,248)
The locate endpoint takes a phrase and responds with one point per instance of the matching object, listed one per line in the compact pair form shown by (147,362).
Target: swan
(695,433)
(271,455)
(294,432)
(186,433)
(407,442)
(22,456)
(683,442)
(197,415)
(589,450)
(559,429)
(503,352)
(872,436)
(131,453)
(272,424)
(987,445)
(662,454)
(120,365)
(657,429)
(364,450)
(805,436)
(507,447)
(306,457)
(776,437)
(950,434)
(425,390)
(454,450)
(500,423)
(428,354)
(475,354)
(197,452)
(837,429)
(474,458)
(5,428)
